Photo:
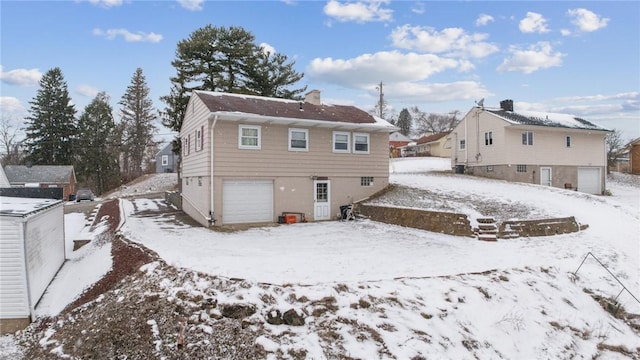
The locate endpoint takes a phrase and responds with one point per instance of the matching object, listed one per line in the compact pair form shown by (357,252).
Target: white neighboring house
(253,159)
(32,250)
(4,182)
(551,149)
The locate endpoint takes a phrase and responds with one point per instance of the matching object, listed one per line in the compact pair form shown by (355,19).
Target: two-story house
(551,149)
(248,159)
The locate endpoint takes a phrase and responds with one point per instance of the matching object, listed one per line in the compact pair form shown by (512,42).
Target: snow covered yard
(369,290)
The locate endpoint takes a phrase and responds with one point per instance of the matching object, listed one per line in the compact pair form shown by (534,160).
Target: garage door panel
(247,201)
(589,180)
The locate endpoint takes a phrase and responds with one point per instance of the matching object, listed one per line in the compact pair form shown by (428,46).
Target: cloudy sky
(581,58)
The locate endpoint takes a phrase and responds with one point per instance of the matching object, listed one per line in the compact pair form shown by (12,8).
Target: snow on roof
(286,110)
(539,118)
(60,174)
(16,206)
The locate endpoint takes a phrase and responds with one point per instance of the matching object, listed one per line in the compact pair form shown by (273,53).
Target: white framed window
(341,143)
(568,141)
(527,138)
(249,137)
(366,181)
(521,168)
(462,144)
(360,143)
(165,160)
(199,139)
(488,138)
(298,139)
(186,144)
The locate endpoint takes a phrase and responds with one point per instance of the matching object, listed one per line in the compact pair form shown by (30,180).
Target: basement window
(366,181)
(521,168)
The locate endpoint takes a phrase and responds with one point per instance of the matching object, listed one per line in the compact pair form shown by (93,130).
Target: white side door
(321,200)
(545,176)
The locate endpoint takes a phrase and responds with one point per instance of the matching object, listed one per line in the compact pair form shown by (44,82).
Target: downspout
(212,221)
(466,143)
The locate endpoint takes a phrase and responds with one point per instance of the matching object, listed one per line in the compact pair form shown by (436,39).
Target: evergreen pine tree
(98,163)
(404,122)
(225,59)
(51,124)
(137,124)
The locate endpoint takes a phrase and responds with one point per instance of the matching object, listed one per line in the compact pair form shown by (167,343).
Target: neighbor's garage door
(589,180)
(247,201)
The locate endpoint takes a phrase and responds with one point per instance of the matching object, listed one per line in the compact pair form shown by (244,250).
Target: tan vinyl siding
(274,159)
(196,162)
(196,168)
(549,147)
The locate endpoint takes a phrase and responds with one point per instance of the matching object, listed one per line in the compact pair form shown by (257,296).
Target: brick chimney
(506,105)
(312,97)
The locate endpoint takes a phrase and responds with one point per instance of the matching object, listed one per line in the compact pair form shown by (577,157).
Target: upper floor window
(568,141)
(462,144)
(488,138)
(165,160)
(527,138)
(341,141)
(249,137)
(186,145)
(361,143)
(199,139)
(298,140)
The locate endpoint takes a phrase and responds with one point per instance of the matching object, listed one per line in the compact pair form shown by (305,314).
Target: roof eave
(240,116)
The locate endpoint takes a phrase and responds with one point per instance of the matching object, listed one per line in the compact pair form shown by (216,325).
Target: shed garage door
(589,180)
(247,201)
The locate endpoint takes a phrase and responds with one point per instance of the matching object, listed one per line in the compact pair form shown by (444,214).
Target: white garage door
(589,180)
(247,201)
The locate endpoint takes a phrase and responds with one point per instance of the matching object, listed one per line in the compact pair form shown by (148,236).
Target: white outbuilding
(32,250)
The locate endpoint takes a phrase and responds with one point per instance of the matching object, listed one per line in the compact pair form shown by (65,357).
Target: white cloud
(21,77)
(128,36)
(565,32)
(587,21)
(367,69)
(11,106)
(484,19)
(418,8)
(436,92)
(267,49)
(452,41)
(106,3)
(88,91)
(360,11)
(536,57)
(533,23)
(191,5)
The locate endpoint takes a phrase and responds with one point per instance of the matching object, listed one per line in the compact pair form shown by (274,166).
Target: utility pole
(381,102)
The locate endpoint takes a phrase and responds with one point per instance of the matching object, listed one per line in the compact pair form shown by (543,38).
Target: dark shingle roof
(283,108)
(545,119)
(58,174)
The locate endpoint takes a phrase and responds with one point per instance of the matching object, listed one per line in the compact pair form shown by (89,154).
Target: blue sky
(581,58)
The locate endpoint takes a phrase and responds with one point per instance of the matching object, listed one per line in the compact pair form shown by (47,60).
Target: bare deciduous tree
(11,142)
(614,145)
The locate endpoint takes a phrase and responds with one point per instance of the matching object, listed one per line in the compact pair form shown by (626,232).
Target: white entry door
(545,176)
(321,200)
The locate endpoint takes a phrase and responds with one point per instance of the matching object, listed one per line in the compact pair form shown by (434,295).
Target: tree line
(106,152)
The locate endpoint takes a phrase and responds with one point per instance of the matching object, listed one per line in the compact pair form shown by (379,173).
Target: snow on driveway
(313,253)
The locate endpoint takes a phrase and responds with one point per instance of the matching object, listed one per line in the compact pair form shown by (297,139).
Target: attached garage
(589,180)
(247,201)
(32,250)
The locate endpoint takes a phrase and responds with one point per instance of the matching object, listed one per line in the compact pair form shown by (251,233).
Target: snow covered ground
(400,292)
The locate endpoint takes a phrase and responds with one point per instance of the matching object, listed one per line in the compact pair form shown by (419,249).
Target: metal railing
(624,288)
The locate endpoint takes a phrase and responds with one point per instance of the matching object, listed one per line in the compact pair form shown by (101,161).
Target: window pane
(341,146)
(362,147)
(342,138)
(250,141)
(299,144)
(298,135)
(249,132)
(321,192)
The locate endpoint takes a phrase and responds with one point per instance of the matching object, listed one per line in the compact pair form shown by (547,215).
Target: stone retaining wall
(440,222)
(544,227)
(174,198)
